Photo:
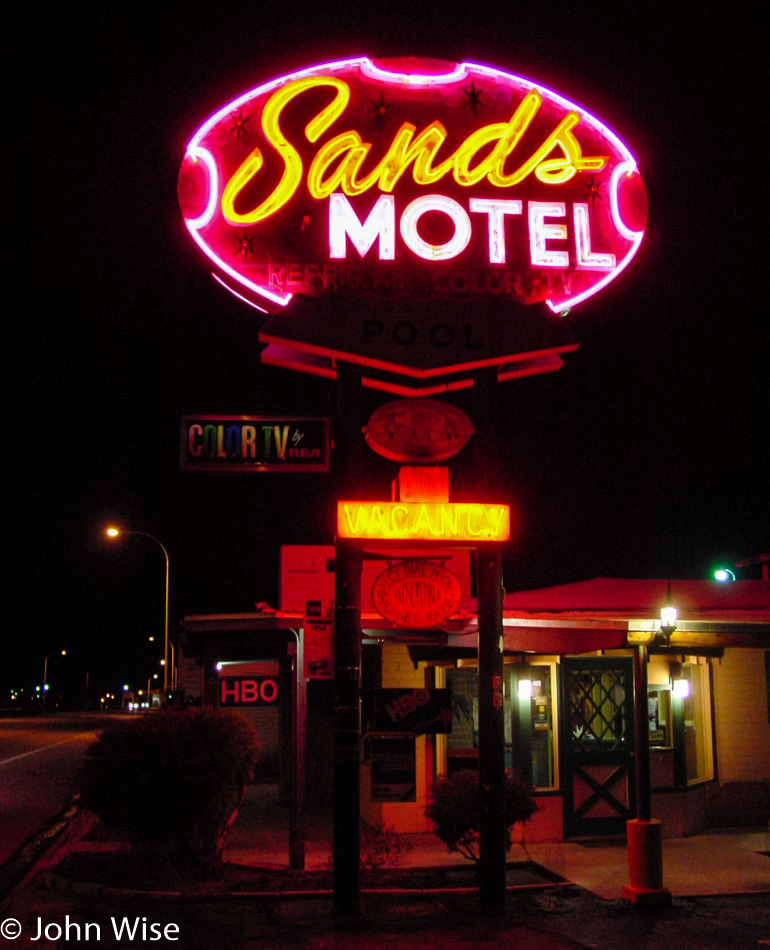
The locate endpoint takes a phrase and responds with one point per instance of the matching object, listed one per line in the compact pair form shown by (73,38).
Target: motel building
(568,694)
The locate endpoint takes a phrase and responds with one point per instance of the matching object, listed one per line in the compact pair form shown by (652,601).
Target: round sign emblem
(418,430)
(416,594)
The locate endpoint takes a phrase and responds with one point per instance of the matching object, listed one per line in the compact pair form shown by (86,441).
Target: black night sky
(645,455)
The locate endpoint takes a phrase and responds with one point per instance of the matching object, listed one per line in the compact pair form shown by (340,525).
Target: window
(530,727)
(659,716)
(696,711)
(531,720)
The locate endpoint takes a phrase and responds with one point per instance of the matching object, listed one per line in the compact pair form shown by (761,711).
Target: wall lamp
(680,688)
(667,620)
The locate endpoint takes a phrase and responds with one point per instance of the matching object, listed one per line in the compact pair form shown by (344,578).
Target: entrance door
(597,702)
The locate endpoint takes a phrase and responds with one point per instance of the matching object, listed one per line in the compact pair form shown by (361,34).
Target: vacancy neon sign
(423,521)
(414,177)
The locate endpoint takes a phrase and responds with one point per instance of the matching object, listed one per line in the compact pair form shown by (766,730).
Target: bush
(173,779)
(381,846)
(456,810)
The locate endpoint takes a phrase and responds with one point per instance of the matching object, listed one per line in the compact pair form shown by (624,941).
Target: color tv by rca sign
(411,177)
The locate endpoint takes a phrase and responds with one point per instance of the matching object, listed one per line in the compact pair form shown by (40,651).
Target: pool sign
(410,177)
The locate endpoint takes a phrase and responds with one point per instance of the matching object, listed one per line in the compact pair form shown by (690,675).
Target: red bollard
(645,865)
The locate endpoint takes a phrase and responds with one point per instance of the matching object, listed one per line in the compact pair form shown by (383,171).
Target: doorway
(597,741)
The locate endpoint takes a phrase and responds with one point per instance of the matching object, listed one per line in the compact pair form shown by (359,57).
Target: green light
(723,574)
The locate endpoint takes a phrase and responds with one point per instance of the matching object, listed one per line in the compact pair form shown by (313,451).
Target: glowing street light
(173,665)
(45,675)
(113,532)
(723,574)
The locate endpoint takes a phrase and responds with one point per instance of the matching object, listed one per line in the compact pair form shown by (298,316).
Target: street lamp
(173,666)
(113,532)
(45,675)
(723,574)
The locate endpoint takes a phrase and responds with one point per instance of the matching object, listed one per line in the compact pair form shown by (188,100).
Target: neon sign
(423,521)
(254,444)
(416,593)
(411,177)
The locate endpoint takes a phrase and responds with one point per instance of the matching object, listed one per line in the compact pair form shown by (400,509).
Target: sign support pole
(492,849)
(347,664)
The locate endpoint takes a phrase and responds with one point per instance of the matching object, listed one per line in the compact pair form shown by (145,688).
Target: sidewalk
(561,916)
(720,861)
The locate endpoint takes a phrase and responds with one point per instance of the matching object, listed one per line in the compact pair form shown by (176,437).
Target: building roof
(611,612)
(599,614)
(626,599)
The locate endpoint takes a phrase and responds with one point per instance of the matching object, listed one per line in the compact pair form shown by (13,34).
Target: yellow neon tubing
(292,175)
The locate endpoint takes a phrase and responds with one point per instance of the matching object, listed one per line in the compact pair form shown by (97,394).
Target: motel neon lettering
(423,521)
(534,198)
(338,164)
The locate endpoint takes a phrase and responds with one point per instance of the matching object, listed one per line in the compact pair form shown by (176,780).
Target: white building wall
(742,727)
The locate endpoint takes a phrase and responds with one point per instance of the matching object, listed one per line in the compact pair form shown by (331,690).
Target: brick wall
(740,706)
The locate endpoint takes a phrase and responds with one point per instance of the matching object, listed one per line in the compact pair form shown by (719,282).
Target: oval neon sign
(416,593)
(411,177)
(418,430)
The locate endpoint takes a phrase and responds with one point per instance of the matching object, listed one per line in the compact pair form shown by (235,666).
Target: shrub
(381,846)
(456,810)
(172,778)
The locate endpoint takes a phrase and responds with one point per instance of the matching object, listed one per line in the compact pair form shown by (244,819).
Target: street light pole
(173,665)
(113,533)
(45,677)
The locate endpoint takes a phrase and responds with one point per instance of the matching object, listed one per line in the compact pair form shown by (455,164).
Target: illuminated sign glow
(411,177)
(423,521)
(416,593)
(248,691)
(254,444)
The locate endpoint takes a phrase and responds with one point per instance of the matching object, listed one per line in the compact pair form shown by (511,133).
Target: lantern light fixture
(667,619)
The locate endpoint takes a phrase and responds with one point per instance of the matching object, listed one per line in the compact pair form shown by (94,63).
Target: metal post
(165,627)
(641,735)
(297,784)
(45,682)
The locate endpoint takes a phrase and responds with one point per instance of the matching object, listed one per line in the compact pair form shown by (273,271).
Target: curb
(46,848)
(59,884)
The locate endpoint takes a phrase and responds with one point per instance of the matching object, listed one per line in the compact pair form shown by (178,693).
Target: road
(40,758)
